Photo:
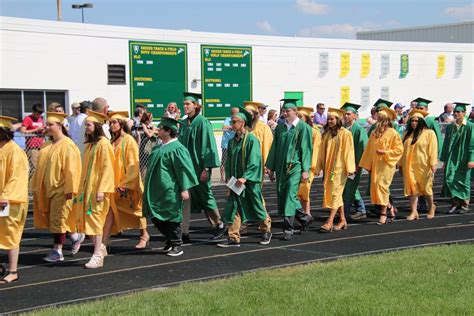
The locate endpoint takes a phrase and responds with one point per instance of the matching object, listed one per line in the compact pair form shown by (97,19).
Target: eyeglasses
(321,108)
(457,111)
(234,121)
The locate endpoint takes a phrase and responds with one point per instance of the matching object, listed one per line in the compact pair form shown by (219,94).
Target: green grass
(428,281)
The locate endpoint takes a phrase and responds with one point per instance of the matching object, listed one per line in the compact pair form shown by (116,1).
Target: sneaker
(76,244)
(186,238)
(266,238)
(452,210)
(219,233)
(358,215)
(54,256)
(462,210)
(229,243)
(287,235)
(96,261)
(167,248)
(175,251)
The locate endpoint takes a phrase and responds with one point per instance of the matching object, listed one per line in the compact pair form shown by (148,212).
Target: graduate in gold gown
(304,113)
(55,182)
(380,157)
(96,189)
(290,159)
(336,161)
(13,196)
(126,205)
(418,163)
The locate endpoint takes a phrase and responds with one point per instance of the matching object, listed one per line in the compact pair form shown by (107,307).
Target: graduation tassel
(89,209)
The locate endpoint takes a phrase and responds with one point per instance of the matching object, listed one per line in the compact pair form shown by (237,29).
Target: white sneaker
(95,262)
(76,244)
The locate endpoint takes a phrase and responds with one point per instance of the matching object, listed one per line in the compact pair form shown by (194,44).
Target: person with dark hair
(304,113)
(33,124)
(290,158)
(171,173)
(126,204)
(272,119)
(418,163)
(196,134)
(227,135)
(336,161)
(351,194)
(55,183)
(384,150)
(458,157)
(245,165)
(147,139)
(320,118)
(96,189)
(13,198)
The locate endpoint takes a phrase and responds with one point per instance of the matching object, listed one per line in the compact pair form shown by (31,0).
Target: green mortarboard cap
(350,107)
(244,115)
(169,122)
(421,102)
(460,106)
(191,96)
(289,104)
(382,103)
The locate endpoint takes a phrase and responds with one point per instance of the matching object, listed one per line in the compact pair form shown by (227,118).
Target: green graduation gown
(198,138)
(351,189)
(245,161)
(433,125)
(289,156)
(169,173)
(458,151)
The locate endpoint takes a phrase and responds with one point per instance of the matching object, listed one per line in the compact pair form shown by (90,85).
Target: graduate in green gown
(169,178)
(196,134)
(290,159)
(458,157)
(351,194)
(244,163)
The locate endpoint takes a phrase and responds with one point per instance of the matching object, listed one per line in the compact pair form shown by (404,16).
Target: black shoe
(463,210)
(452,210)
(307,224)
(358,216)
(219,233)
(167,248)
(186,238)
(229,243)
(266,238)
(287,235)
(175,251)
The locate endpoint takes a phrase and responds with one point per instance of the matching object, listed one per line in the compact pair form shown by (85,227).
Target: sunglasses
(458,111)
(234,121)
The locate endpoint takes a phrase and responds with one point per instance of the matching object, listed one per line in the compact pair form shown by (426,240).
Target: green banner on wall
(226,78)
(404,65)
(158,75)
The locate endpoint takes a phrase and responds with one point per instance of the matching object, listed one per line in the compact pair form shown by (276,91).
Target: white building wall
(73,57)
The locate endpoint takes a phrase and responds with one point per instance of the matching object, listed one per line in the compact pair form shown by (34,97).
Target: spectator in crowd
(447,115)
(400,114)
(136,127)
(33,124)
(77,128)
(148,139)
(227,135)
(53,105)
(320,118)
(101,105)
(172,111)
(406,114)
(262,109)
(272,119)
(372,119)
(75,111)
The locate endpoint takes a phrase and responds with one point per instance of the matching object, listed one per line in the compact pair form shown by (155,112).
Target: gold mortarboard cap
(6,121)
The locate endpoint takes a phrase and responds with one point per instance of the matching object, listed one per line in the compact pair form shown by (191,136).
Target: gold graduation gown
(305,188)
(265,137)
(336,160)
(88,216)
(127,208)
(13,188)
(417,161)
(382,167)
(57,173)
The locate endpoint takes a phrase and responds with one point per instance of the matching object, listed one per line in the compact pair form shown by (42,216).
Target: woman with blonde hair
(96,187)
(384,150)
(55,183)
(126,205)
(13,198)
(336,160)
(418,163)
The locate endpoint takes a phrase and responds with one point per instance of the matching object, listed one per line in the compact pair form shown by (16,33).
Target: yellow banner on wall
(345,94)
(441,66)
(345,64)
(365,65)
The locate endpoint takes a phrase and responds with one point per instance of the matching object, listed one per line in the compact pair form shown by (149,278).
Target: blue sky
(310,18)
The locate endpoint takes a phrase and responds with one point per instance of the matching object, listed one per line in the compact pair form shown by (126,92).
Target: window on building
(10,104)
(18,103)
(116,74)
(32,97)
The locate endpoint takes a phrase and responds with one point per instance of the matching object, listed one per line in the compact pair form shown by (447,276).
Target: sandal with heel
(4,280)
(144,243)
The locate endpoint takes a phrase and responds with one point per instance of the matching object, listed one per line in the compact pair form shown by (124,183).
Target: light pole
(82,6)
